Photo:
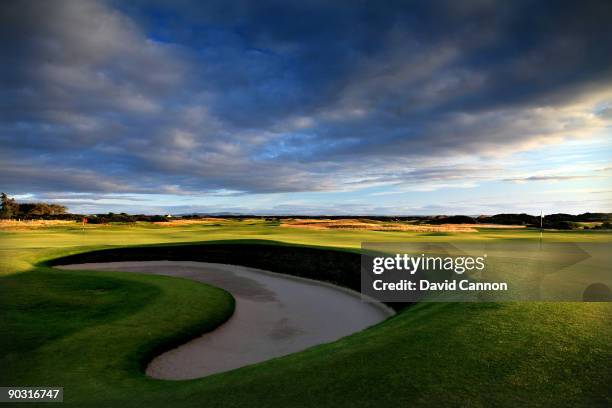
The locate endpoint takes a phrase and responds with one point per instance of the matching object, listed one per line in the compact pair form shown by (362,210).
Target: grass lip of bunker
(336,266)
(274,316)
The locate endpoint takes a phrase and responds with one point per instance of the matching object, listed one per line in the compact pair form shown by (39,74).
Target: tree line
(11,209)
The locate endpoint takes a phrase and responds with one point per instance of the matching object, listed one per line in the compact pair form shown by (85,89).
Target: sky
(307,107)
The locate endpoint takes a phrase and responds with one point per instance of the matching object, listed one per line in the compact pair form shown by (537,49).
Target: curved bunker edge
(338,267)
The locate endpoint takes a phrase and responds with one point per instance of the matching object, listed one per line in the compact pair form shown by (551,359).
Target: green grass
(92,332)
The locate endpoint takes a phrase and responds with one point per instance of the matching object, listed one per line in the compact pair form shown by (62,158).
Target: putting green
(91,333)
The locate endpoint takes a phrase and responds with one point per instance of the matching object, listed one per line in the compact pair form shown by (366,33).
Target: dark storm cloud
(186,97)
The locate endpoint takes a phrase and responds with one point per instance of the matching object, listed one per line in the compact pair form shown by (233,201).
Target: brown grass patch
(373,225)
(498,226)
(32,224)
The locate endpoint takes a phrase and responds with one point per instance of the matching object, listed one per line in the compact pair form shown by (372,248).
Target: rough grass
(375,225)
(90,331)
(18,225)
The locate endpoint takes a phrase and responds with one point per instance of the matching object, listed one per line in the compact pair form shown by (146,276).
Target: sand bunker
(275,315)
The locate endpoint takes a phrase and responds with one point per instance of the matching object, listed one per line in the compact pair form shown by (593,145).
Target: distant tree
(57,209)
(9,207)
(562,225)
(511,219)
(454,219)
(41,210)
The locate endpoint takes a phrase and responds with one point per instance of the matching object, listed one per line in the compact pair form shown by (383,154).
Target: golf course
(317,204)
(94,332)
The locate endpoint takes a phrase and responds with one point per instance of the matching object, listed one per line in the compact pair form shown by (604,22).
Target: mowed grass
(92,332)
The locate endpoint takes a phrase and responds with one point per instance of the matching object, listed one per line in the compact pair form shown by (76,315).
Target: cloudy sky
(312,107)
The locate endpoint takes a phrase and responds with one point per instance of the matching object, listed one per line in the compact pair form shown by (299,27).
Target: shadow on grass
(337,266)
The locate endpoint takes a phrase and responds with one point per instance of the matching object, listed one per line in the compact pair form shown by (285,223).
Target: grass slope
(91,332)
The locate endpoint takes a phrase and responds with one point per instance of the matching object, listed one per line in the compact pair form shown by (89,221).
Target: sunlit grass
(88,332)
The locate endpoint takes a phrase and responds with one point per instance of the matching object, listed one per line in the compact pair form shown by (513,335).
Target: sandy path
(275,315)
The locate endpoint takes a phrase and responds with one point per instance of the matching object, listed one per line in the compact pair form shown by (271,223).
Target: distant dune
(364,224)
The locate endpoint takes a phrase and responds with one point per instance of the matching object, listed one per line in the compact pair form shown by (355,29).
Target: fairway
(93,332)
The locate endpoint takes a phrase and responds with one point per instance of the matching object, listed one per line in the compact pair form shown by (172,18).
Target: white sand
(275,315)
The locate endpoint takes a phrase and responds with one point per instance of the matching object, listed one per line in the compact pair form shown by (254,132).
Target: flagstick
(541,226)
